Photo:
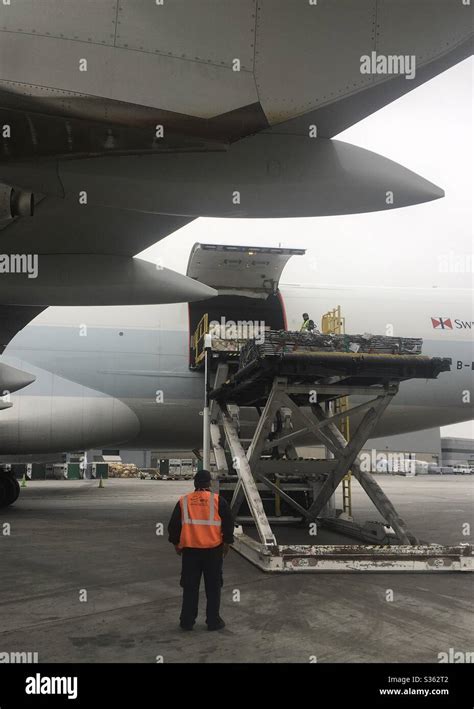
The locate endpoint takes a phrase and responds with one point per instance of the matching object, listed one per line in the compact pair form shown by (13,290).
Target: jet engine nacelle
(15,203)
(79,418)
(93,279)
(264,176)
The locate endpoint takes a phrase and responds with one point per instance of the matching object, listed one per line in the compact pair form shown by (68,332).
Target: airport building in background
(457,451)
(427,445)
(421,445)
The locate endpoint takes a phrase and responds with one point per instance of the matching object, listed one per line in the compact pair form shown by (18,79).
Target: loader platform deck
(251,384)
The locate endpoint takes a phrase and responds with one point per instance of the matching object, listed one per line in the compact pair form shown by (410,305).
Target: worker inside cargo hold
(308,324)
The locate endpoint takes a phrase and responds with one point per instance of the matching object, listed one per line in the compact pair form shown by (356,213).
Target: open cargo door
(246,279)
(252,271)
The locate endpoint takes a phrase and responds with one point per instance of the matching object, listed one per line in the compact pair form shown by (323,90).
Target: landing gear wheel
(5,491)
(15,485)
(9,490)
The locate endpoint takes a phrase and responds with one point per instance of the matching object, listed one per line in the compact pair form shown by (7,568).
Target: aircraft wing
(323,65)
(336,115)
(98,78)
(194,109)
(84,257)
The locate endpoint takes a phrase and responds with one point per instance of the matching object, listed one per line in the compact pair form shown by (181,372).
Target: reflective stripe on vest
(208,522)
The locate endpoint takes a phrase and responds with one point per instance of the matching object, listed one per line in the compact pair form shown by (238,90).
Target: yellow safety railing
(333,323)
(198,338)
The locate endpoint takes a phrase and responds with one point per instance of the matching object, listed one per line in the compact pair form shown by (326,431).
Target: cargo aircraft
(121,122)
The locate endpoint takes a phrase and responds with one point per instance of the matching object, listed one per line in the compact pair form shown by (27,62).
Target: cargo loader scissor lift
(291,380)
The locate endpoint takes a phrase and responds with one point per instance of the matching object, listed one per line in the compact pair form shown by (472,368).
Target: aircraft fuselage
(120,376)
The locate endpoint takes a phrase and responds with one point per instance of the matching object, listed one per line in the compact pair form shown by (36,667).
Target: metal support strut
(268,476)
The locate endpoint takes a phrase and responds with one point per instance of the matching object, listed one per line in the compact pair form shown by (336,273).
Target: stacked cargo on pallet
(278,342)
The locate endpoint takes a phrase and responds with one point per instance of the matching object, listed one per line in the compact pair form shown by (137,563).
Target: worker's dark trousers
(195,563)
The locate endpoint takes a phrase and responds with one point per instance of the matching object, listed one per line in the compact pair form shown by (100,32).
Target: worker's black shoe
(186,627)
(217,626)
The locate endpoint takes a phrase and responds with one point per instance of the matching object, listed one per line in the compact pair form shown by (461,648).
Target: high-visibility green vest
(305,325)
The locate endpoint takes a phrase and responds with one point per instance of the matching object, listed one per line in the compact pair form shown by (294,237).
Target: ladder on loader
(332,322)
(290,391)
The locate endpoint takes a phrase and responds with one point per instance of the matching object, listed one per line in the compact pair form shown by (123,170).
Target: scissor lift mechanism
(296,387)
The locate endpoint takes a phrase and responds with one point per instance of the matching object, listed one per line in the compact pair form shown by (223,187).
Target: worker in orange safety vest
(201,529)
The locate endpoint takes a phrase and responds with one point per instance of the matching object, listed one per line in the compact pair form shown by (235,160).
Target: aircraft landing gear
(9,489)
